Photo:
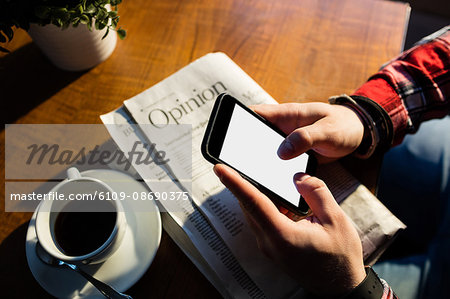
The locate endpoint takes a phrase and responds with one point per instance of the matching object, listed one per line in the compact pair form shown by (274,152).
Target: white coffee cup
(77,186)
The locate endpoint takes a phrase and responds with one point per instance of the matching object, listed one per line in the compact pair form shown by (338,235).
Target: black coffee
(79,233)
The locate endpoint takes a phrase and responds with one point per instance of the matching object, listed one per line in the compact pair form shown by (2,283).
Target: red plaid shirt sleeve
(415,86)
(412,88)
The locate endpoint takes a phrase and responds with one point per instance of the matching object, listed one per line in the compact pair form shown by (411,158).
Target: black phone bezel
(213,140)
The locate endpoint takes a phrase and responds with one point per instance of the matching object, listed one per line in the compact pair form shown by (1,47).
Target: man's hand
(322,252)
(332,131)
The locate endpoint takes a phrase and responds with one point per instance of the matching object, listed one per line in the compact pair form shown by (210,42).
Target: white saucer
(124,267)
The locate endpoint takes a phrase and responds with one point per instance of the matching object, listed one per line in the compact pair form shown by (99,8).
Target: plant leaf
(114,22)
(84,19)
(112,14)
(121,33)
(102,14)
(79,9)
(91,9)
(106,33)
(62,13)
(102,25)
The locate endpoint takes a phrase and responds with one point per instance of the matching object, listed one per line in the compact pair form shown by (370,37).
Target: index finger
(256,204)
(290,116)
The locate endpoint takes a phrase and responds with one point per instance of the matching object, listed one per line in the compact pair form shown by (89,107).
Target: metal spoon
(105,289)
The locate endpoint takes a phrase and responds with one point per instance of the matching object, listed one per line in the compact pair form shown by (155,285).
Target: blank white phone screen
(251,147)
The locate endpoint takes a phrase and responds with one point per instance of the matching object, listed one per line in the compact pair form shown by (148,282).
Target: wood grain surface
(296,50)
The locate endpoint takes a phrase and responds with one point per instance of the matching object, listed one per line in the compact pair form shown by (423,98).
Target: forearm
(413,87)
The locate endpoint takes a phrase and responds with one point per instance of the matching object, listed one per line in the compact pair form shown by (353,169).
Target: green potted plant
(74,34)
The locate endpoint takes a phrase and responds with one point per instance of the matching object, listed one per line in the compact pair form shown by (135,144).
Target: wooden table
(297,50)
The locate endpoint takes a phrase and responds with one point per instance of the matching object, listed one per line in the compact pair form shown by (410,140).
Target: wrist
(371,136)
(378,128)
(370,288)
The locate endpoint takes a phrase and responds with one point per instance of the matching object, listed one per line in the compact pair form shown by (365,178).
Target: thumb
(299,141)
(318,197)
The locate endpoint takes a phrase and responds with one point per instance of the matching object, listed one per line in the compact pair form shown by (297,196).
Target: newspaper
(234,282)
(211,218)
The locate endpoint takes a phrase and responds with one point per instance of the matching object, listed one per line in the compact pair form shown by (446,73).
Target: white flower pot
(73,49)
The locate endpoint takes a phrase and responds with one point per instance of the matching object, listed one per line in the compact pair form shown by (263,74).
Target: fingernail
(217,172)
(286,148)
(299,177)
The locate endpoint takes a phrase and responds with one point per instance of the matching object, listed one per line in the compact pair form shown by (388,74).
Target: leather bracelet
(370,288)
(383,121)
(371,136)
(378,127)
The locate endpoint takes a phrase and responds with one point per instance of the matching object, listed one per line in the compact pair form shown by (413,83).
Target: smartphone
(240,138)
